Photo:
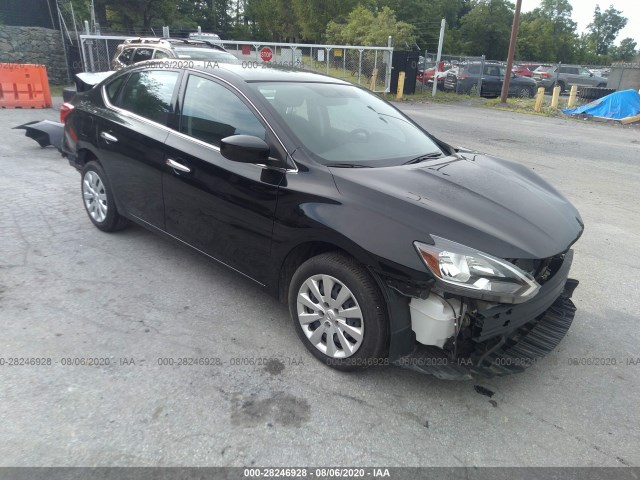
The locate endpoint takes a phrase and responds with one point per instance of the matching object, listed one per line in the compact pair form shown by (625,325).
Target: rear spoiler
(87,80)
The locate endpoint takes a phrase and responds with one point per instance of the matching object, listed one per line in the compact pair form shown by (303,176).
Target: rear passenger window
(142,54)
(149,94)
(160,54)
(211,112)
(125,56)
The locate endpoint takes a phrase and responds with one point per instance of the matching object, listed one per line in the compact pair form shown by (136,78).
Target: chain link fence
(367,66)
(448,72)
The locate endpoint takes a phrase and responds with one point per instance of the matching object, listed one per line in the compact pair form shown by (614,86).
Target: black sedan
(388,245)
(466,78)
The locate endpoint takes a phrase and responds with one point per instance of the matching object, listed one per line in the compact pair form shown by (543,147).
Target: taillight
(65,110)
(545,75)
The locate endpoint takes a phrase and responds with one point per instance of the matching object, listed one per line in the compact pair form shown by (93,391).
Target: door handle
(177,166)
(108,137)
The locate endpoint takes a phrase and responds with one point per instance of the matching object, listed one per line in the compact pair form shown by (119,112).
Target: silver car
(565,76)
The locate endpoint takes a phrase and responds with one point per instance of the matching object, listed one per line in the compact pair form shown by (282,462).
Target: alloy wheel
(95,196)
(330,316)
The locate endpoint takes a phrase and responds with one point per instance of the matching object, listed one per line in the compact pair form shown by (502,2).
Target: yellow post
(555,97)
(400,85)
(374,77)
(539,99)
(572,96)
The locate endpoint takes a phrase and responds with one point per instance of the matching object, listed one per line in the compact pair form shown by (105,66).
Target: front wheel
(98,199)
(339,313)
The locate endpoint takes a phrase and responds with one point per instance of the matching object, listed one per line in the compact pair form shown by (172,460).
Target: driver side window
(211,112)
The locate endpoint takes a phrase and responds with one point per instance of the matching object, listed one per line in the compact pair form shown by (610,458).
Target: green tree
(273,20)
(486,29)
(313,16)
(364,27)
(547,33)
(626,51)
(605,28)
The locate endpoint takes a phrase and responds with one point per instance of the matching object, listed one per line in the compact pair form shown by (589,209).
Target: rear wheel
(98,199)
(561,85)
(525,92)
(339,313)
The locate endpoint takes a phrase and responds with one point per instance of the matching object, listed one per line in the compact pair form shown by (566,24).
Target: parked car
(134,50)
(388,244)
(565,76)
(425,75)
(207,37)
(525,69)
(440,78)
(464,79)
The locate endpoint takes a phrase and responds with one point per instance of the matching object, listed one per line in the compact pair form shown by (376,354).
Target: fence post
(89,44)
(359,65)
(328,49)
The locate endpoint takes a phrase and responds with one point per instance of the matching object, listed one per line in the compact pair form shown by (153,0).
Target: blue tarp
(616,106)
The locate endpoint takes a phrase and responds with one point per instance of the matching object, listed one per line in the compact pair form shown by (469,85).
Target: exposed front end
(460,336)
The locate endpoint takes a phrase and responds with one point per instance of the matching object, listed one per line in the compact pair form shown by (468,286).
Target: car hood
(498,207)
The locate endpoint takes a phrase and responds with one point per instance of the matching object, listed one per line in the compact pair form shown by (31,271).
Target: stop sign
(266,54)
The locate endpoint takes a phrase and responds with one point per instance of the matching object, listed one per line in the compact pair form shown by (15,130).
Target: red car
(424,76)
(525,69)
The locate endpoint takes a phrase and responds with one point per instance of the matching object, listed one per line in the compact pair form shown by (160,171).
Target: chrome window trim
(135,116)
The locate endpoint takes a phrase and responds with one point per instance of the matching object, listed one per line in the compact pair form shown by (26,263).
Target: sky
(583,14)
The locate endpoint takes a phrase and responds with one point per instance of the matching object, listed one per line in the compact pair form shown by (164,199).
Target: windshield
(208,54)
(346,125)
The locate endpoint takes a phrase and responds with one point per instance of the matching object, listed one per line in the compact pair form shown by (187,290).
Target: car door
(221,207)
(131,136)
(491,80)
(586,77)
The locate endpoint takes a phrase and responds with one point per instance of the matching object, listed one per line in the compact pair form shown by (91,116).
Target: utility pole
(437,67)
(512,51)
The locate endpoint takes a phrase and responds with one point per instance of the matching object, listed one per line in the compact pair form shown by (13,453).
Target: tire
(98,200)
(526,92)
(357,341)
(562,86)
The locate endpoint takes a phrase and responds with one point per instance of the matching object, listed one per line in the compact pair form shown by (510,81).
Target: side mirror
(245,149)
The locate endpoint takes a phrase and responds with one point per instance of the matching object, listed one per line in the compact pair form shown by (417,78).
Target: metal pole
(424,69)
(437,69)
(89,44)
(512,51)
(480,77)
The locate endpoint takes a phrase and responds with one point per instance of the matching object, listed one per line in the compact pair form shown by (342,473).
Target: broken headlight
(471,273)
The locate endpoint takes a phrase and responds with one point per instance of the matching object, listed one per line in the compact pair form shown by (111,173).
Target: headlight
(472,273)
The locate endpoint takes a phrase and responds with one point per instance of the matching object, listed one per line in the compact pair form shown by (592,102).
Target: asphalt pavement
(137,304)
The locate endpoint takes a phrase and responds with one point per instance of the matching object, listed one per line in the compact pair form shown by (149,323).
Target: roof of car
(171,42)
(257,72)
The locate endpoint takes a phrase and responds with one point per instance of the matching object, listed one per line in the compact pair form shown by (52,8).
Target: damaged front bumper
(506,338)
(45,132)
